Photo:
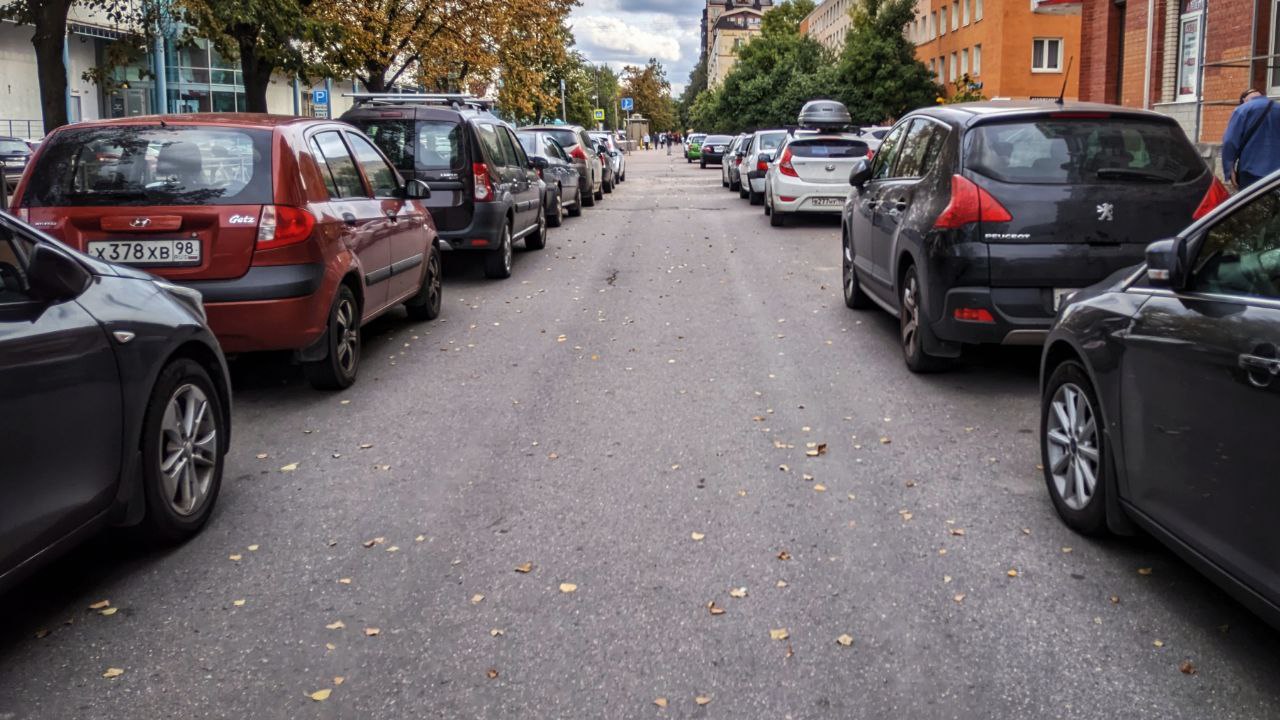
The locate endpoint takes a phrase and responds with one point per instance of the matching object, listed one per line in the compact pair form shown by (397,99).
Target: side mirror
(861,173)
(765,157)
(1166,263)
(538,163)
(417,190)
(54,277)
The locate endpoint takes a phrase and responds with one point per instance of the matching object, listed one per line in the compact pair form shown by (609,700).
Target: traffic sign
(628,104)
(320,97)
(599,114)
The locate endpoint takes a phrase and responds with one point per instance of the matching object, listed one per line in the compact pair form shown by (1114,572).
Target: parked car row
(141,249)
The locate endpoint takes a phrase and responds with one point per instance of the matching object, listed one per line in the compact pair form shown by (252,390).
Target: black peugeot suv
(974,221)
(485,191)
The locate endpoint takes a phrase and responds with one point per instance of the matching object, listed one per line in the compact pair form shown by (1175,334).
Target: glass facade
(201,80)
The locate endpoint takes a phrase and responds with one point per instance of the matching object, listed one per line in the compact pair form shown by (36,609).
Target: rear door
(434,150)
(183,201)
(527,189)
(916,157)
(1087,193)
(866,220)
(404,224)
(60,412)
(363,225)
(1201,396)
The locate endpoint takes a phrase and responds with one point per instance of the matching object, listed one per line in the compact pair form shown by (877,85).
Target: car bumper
(484,232)
(280,307)
(712,158)
(808,198)
(1020,316)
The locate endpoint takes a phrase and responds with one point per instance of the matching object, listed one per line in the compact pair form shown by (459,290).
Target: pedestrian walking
(669,139)
(1251,145)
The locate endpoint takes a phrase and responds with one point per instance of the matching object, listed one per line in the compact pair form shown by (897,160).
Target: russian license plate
(828,201)
(1061,295)
(147,252)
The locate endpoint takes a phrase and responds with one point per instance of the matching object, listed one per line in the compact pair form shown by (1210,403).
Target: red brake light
(577,153)
(970,204)
(979,315)
(484,183)
(762,166)
(1216,196)
(280,225)
(784,165)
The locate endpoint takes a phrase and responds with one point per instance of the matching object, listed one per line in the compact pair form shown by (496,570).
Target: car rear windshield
(1067,151)
(770,141)
(717,140)
(153,165)
(10,147)
(566,138)
(417,144)
(828,148)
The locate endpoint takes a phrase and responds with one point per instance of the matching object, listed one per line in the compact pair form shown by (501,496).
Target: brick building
(1189,59)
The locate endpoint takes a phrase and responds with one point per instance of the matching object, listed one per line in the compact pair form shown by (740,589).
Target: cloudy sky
(629,32)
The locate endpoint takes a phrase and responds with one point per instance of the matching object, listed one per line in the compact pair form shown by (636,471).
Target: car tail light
(762,166)
(280,225)
(483,181)
(577,153)
(784,165)
(871,154)
(978,315)
(1216,196)
(970,204)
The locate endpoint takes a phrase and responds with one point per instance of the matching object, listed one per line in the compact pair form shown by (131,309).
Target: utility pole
(600,126)
(563,114)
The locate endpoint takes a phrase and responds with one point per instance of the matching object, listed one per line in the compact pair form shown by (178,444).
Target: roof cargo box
(824,114)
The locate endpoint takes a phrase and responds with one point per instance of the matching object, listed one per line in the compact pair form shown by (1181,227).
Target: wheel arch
(204,356)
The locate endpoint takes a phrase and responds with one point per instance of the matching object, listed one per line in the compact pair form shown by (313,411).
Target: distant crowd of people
(668,140)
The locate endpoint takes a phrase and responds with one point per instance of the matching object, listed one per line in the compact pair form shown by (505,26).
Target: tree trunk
(375,78)
(49,40)
(257,73)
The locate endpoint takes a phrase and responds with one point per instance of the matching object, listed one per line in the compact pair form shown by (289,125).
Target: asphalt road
(630,413)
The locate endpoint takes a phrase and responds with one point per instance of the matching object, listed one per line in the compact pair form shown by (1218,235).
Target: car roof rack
(457,101)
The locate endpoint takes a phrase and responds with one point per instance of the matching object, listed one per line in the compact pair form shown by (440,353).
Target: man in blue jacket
(1251,145)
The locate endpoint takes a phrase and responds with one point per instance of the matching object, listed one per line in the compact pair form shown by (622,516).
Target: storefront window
(1189,49)
(202,80)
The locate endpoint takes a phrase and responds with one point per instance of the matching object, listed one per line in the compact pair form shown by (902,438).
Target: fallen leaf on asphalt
(910,483)
(957,531)
(959,598)
(477,599)
(779,634)
(738,592)
(946,578)
(108,612)
(345,581)
(758,418)
(100,604)
(394,548)
(42,633)
(290,467)
(113,673)
(1144,571)
(697,536)
(714,609)
(790,651)
(262,456)
(1187,668)
(372,632)
(784,555)
(234,558)
(1026,531)
(552,456)
(1066,549)
(335,625)
(845,640)
(885,441)
(341,402)
(524,567)
(784,468)
(365,446)
(1012,573)
(820,487)
(375,541)
(562,338)
(330,646)
(906,515)
(253,548)
(338,680)
(238,603)
(321,695)
(660,702)
(495,632)
(1115,599)
(821,449)
(702,700)
(492,673)
(807,477)
(1158,643)
(384,468)
(942,551)
(568,587)
(420,538)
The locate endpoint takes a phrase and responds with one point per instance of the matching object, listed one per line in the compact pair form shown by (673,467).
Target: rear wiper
(1133,174)
(108,193)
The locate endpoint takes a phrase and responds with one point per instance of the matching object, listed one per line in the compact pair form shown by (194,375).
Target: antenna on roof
(1065,77)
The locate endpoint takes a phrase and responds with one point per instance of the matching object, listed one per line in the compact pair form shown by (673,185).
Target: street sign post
(628,104)
(320,97)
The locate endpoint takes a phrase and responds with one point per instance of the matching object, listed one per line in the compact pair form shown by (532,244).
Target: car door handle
(1262,370)
(348,218)
(900,204)
(871,204)
(392,216)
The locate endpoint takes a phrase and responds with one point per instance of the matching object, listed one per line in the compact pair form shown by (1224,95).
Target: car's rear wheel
(588,198)
(854,297)
(912,329)
(537,239)
(183,444)
(744,190)
(600,193)
(607,186)
(776,219)
(426,304)
(1073,449)
(576,210)
(756,197)
(337,370)
(497,262)
(556,217)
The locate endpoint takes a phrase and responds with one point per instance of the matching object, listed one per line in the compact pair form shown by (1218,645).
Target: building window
(942,20)
(1046,55)
(1189,34)
(964,12)
(954,68)
(964,61)
(977,60)
(933,25)
(955,17)
(977,10)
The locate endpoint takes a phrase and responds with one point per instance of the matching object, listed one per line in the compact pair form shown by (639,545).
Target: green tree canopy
(878,76)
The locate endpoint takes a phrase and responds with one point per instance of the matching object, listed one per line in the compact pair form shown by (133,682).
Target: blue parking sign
(320,97)
(628,104)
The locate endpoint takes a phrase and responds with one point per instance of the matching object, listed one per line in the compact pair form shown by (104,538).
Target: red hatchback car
(295,230)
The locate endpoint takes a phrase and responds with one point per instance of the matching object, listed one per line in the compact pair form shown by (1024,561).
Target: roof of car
(574,128)
(975,112)
(260,120)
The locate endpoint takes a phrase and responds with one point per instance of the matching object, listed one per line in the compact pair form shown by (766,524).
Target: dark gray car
(14,153)
(115,404)
(1161,397)
(581,148)
(563,194)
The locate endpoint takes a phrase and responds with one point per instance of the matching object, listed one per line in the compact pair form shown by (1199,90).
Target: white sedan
(810,174)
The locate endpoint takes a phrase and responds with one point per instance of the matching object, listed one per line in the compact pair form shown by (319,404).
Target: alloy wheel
(433,290)
(847,262)
(506,250)
(1071,437)
(188,449)
(348,336)
(910,315)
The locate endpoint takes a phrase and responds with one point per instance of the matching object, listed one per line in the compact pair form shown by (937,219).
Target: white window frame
(964,13)
(933,25)
(977,10)
(942,20)
(964,62)
(955,18)
(977,60)
(1197,17)
(954,67)
(1057,69)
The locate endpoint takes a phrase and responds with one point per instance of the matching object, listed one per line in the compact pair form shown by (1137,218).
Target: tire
(426,304)
(735,185)
(854,297)
(777,219)
(911,329)
(556,218)
(497,262)
(537,239)
(744,190)
(588,200)
(600,193)
(338,369)
(576,210)
(606,187)
(702,164)
(1066,447)
(756,198)
(180,500)
(724,182)
(768,204)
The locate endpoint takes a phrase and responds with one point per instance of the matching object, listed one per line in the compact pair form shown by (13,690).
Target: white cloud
(629,32)
(611,36)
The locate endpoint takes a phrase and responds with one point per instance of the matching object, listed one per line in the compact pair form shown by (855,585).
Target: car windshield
(566,138)
(769,141)
(416,144)
(1062,151)
(717,140)
(696,139)
(10,147)
(828,148)
(153,165)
